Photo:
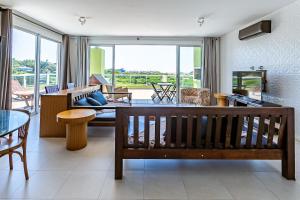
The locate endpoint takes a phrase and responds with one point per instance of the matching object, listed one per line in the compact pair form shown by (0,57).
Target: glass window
(23,69)
(48,63)
(137,66)
(190,67)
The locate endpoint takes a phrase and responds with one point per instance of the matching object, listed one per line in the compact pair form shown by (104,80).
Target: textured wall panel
(278,52)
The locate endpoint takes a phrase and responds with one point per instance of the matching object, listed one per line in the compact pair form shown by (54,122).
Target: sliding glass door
(101,66)
(190,67)
(35,65)
(49,60)
(23,70)
(138,67)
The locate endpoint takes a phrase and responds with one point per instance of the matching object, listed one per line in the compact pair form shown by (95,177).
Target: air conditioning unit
(255,30)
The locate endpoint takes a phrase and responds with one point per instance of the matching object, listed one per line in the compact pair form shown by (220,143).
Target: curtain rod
(52,30)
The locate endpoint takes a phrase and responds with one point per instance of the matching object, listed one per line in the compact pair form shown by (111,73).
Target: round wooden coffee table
(76,124)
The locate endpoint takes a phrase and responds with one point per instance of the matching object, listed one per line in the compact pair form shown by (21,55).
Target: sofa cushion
(99,97)
(105,116)
(82,102)
(93,102)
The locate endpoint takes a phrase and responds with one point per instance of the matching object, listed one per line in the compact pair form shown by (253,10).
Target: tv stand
(240,100)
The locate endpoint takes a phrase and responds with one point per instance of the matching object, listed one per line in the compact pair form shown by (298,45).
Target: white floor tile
(130,187)
(282,188)
(82,185)
(42,185)
(205,186)
(245,186)
(163,185)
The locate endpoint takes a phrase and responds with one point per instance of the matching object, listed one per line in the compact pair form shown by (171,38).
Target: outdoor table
(163,91)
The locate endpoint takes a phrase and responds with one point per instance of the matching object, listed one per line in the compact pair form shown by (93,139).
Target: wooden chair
(51,89)
(157,92)
(21,93)
(10,145)
(70,85)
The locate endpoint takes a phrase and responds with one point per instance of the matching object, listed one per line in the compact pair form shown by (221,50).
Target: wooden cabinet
(51,104)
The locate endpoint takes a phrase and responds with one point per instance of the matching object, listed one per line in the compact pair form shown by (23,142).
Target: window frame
(38,38)
(156,43)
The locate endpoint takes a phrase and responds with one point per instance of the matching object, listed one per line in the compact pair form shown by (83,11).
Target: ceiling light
(82,20)
(201,20)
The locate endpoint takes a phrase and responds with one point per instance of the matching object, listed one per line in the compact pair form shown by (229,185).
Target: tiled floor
(56,173)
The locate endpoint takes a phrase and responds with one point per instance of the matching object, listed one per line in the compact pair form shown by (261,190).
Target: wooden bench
(102,118)
(206,133)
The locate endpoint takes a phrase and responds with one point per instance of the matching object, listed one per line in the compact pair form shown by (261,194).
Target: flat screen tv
(248,83)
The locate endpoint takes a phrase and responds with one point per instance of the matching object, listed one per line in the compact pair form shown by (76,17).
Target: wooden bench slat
(157,131)
(146,131)
(208,132)
(136,130)
(179,131)
(189,131)
(260,133)
(240,126)
(198,133)
(228,131)
(249,131)
(218,131)
(271,132)
(168,130)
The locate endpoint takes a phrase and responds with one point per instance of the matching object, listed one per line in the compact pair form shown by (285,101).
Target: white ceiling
(146,17)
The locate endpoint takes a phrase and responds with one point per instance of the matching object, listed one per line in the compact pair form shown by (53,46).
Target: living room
(149,100)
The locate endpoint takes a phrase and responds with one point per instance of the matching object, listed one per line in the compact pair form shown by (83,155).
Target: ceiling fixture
(82,20)
(201,20)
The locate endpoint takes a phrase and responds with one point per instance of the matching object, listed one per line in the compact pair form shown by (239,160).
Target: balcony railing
(28,80)
(144,81)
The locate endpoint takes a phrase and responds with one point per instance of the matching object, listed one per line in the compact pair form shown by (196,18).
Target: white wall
(278,52)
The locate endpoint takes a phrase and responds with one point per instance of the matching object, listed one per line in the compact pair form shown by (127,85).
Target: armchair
(198,96)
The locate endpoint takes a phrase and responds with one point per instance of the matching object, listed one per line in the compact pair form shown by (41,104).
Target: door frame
(178,46)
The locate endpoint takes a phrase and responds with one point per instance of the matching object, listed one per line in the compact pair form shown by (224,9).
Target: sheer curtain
(211,64)
(6,59)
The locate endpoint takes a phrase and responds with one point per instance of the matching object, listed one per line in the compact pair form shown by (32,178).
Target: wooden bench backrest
(224,127)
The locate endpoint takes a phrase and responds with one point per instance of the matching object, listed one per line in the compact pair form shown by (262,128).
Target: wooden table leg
(76,136)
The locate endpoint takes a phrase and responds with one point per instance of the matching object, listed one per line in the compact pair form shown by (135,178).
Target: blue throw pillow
(82,102)
(99,97)
(92,101)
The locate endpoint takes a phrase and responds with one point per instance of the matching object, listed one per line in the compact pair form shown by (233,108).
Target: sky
(150,58)
(130,57)
(24,47)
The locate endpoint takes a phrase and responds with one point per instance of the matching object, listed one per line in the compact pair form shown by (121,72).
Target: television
(249,83)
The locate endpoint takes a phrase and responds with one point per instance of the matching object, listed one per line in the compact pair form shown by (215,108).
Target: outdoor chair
(157,92)
(198,96)
(51,89)
(10,145)
(20,93)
